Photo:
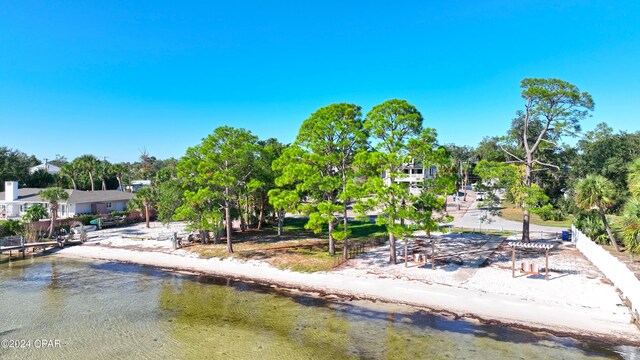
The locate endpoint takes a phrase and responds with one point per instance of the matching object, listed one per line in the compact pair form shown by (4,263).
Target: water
(120,311)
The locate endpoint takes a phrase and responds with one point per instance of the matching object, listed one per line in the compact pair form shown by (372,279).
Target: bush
(590,223)
(86,219)
(10,228)
(547,213)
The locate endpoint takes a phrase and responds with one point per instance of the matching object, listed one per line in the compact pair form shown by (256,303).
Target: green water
(119,311)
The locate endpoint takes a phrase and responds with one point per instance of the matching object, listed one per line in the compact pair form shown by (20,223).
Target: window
(418,171)
(109,205)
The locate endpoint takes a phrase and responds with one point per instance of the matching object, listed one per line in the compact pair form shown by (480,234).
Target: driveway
(471,219)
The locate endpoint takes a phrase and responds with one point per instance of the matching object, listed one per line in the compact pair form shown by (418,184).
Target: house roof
(75,196)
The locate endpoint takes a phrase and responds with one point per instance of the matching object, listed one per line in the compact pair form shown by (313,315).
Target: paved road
(471,220)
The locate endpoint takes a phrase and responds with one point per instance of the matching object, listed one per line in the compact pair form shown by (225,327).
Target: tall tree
(144,200)
(72,171)
(170,195)
(14,166)
(120,170)
(88,163)
(53,195)
(268,152)
(320,164)
(631,211)
(400,140)
(103,172)
(552,108)
(216,167)
(596,192)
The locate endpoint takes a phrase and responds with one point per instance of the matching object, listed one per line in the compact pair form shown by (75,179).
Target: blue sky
(113,77)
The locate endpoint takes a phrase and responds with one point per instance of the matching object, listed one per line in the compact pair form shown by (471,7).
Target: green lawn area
(509,212)
(298,249)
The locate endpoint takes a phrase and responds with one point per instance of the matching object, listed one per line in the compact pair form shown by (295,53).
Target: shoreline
(456,302)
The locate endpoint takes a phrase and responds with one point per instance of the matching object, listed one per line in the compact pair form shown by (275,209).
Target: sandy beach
(578,301)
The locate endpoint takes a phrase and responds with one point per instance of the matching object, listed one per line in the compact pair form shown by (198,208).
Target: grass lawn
(298,249)
(509,212)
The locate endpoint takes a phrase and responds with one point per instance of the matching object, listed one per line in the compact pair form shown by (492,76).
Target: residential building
(14,202)
(413,174)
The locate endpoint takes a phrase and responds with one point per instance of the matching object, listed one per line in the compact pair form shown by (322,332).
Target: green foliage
(10,228)
(633,178)
(54,195)
(14,166)
(87,164)
(86,219)
(631,225)
(595,191)
(35,213)
(319,165)
(215,173)
(400,140)
(547,213)
(590,223)
(607,154)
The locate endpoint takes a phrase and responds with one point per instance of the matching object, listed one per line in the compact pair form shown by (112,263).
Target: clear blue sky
(113,77)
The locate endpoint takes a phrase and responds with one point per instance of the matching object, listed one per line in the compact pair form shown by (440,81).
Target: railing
(616,271)
(356,248)
(10,241)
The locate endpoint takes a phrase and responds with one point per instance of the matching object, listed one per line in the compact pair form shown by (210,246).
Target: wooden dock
(18,244)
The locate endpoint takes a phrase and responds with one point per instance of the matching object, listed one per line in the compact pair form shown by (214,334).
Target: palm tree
(88,164)
(144,199)
(631,225)
(103,171)
(53,195)
(119,170)
(631,211)
(633,179)
(71,170)
(597,192)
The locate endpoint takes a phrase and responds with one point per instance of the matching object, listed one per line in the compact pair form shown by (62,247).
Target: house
(14,202)
(137,185)
(51,169)
(414,175)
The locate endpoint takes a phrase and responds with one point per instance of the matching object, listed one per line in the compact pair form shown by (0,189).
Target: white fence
(611,267)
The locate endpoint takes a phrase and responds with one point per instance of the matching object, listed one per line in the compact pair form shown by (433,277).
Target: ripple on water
(110,310)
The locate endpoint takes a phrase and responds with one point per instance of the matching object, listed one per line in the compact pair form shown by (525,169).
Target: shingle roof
(75,196)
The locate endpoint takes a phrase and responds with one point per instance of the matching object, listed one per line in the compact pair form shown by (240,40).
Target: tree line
(345,164)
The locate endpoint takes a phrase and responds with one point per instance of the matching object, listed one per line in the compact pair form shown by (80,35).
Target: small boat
(86,228)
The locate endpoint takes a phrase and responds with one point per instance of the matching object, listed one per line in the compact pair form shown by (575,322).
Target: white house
(137,185)
(51,169)
(413,174)
(14,202)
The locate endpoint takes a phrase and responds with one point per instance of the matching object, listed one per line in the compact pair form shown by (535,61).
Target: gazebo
(530,246)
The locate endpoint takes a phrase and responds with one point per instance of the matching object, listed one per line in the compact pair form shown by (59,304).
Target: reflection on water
(110,310)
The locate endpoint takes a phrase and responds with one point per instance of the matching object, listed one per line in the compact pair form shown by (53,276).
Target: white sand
(578,303)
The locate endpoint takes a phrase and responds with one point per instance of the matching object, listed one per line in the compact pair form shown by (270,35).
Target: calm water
(118,311)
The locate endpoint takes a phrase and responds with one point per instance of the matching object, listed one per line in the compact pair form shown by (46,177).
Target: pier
(19,245)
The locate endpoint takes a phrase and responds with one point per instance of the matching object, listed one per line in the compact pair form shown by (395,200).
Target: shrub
(119,213)
(10,228)
(590,223)
(86,219)
(547,212)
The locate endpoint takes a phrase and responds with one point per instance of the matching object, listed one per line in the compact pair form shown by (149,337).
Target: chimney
(10,190)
